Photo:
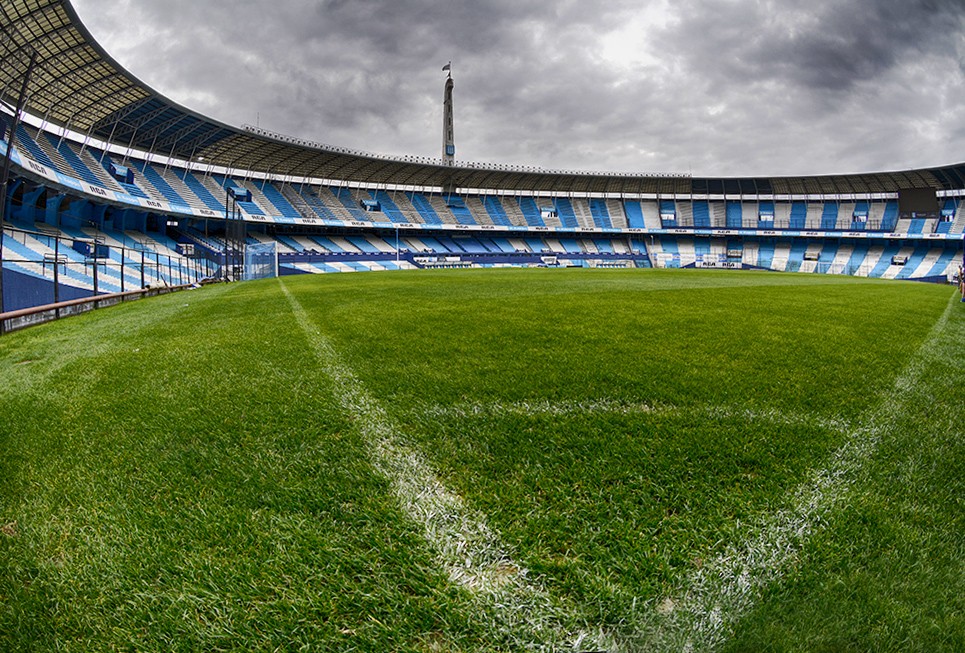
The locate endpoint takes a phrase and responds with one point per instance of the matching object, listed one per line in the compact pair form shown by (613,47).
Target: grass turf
(177,474)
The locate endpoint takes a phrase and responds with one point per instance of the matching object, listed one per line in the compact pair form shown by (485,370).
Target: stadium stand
(143,178)
(425,209)
(160,185)
(200,191)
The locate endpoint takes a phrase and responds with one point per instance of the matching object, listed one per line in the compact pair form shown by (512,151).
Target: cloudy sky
(710,87)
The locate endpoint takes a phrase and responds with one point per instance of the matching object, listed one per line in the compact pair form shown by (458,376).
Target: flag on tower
(448,66)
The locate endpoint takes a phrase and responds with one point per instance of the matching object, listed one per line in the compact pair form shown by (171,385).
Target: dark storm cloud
(722,87)
(820,44)
(364,70)
(852,85)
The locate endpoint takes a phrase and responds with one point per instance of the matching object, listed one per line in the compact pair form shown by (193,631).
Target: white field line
(711,600)
(615,407)
(464,545)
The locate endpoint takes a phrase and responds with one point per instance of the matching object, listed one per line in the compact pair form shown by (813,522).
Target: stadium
(573,411)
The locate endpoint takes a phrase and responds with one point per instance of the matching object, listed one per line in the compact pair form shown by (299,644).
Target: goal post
(261,261)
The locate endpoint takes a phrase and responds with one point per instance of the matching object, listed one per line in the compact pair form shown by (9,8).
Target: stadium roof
(77,85)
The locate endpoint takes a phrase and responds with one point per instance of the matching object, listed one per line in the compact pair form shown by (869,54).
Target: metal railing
(47,267)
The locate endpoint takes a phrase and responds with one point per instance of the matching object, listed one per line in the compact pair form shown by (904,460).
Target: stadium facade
(113,186)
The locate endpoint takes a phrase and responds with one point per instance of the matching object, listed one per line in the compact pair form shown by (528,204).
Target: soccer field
(572,460)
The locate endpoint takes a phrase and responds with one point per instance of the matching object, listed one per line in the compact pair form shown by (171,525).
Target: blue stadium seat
(916,226)
(162,186)
(108,163)
(799,215)
(200,190)
(249,207)
(277,200)
(890,219)
(458,208)
(565,210)
(829,216)
(600,213)
(911,265)
(634,214)
(668,213)
(530,211)
(389,207)
(33,150)
(495,210)
(734,218)
(701,213)
(422,205)
(858,255)
(315,202)
(885,261)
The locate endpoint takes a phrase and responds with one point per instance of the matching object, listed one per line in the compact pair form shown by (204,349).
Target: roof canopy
(77,85)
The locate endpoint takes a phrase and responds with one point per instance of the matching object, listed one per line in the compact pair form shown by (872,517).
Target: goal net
(261,261)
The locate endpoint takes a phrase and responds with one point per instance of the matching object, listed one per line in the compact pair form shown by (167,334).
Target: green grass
(180,473)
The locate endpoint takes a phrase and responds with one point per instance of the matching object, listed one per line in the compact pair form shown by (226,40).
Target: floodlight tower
(448,142)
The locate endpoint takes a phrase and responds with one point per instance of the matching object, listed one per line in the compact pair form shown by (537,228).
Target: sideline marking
(712,599)
(465,546)
(709,601)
